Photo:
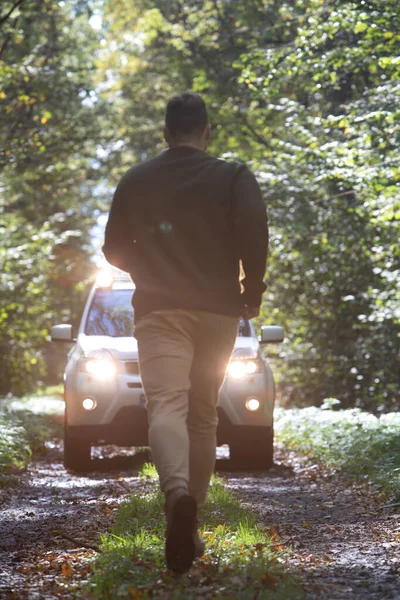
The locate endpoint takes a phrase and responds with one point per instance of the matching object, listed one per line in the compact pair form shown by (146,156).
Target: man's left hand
(250,312)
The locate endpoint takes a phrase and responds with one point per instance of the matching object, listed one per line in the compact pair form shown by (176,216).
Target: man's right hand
(250,312)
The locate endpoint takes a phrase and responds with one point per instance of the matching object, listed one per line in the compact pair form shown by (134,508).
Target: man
(181,224)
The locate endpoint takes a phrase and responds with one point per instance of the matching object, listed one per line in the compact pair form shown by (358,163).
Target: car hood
(246,347)
(120,348)
(126,348)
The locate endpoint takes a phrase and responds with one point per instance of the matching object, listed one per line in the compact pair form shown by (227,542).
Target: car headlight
(101,368)
(237,369)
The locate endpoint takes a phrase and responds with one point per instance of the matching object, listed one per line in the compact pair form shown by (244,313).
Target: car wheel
(253,448)
(76,451)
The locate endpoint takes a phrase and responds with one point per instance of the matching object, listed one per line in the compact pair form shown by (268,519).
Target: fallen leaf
(66,569)
(271,531)
(277,547)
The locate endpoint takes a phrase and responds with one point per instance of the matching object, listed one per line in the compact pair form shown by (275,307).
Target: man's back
(183,219)
(181,225)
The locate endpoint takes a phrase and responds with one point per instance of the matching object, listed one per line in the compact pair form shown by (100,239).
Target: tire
(251,449)
(76,451)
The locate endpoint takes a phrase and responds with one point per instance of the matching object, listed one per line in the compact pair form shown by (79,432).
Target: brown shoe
(181,512)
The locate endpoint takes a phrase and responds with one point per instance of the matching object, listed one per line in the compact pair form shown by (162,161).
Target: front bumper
(112,396)
(130,428)
(125,392)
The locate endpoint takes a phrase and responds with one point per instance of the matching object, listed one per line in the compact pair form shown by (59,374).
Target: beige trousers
(183,357)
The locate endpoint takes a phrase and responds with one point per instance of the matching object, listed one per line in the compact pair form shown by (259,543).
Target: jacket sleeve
(118,240)
(251,234)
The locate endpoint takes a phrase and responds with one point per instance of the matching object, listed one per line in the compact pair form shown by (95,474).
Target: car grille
(132,367)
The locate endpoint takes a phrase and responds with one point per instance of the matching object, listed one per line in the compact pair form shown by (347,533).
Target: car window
(110,313)
(244,328)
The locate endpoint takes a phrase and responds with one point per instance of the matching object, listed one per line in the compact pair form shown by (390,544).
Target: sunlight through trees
(306,92)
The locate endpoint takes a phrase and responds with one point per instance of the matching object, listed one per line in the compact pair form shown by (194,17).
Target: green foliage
(149,471)
(308,94)
(239,560)
(46,96)
(49,128)
(358,442)
(25,426)
(14,448)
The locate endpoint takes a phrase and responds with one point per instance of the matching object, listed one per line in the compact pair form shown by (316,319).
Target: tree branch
(8,15)
(5,44)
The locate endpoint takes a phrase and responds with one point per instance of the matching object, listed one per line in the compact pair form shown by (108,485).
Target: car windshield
(111,314)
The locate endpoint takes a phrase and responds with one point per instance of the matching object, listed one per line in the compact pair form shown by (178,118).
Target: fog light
(89,404)
(252,404)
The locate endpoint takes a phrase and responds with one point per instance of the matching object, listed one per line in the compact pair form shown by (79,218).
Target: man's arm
(251,233)
(118,239)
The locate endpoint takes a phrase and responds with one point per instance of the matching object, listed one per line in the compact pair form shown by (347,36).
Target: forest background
(306,92)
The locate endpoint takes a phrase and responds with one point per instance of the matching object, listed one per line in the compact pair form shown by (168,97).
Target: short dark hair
(186,115)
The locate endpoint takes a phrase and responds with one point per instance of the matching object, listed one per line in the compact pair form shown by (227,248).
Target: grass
(358,442)
(25,425)
(50,390)
(240,561)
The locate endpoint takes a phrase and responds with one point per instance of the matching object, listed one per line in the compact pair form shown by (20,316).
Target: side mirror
(271,334)
(61,333)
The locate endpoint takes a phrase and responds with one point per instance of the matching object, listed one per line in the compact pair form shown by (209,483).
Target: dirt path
(50,524)
(335,537)
(341,543)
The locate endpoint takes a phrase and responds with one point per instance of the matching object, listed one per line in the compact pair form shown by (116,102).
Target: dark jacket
(180,224)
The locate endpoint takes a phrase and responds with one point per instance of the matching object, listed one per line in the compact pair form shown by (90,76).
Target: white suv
(104,398)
